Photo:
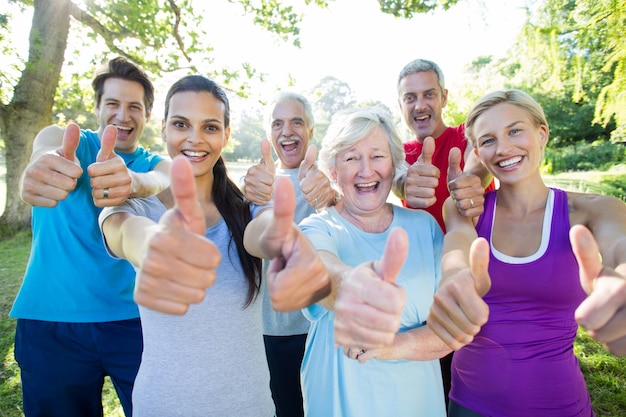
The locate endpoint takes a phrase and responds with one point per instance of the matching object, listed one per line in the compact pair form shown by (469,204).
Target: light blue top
(278,323)
(211,360)
(334,385)
(69,276)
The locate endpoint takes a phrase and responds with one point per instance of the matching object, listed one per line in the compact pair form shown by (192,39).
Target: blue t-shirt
(335,385)
(69,276)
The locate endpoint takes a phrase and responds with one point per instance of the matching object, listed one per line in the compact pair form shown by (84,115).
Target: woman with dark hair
(197,285)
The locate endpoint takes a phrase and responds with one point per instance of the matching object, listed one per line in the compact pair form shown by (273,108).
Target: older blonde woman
(401,375)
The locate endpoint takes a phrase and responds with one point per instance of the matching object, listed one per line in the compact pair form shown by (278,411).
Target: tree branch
(179,41)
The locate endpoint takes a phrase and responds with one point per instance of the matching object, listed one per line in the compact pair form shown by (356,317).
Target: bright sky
(355,42)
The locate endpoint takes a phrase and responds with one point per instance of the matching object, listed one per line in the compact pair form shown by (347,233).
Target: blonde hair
(518,98)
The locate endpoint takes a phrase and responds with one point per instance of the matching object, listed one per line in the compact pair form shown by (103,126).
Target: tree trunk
(30,110)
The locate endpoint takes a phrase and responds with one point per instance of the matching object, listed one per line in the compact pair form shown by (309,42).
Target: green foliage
(275,17)
(248,133)
(151,138)
(569,56)
(571,122)
(75,102)
(598,155)
(11,63)
(408,8)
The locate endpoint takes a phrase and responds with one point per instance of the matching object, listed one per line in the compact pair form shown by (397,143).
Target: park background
(569,54)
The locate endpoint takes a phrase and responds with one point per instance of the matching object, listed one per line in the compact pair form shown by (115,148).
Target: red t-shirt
(452,137)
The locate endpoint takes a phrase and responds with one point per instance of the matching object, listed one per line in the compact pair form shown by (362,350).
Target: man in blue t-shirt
(77,321)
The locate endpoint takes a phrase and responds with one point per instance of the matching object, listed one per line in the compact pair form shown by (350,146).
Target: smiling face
(421,102)
(122,105)
(290,133)
(195,129)
(364,173)
(509,143)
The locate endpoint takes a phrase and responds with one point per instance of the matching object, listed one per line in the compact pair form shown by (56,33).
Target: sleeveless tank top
(522,362)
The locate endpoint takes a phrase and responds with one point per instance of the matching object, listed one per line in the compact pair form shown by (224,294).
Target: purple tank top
(522,362)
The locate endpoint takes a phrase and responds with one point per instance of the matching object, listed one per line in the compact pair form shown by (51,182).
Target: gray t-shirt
(210,361)
(277,323)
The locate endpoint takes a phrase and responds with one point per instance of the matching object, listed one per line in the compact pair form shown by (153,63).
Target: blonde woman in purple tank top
(518,280)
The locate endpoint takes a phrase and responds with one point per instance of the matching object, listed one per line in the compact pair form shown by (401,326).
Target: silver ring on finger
(105,193)
(315,202)
(471,203)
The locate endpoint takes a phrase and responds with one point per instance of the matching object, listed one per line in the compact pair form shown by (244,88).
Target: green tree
(248,135)
(160,35)
(328,97)
(570,56)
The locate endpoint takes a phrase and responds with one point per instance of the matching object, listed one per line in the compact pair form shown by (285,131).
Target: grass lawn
(13,257)
(605,374)
(612,182)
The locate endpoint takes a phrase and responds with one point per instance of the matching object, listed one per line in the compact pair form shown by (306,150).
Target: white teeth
(195,154)
(288,142)
(422,118)
(367,185)
(510,162)
(123,127)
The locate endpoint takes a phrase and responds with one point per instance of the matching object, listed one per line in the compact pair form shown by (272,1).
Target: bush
(599,155)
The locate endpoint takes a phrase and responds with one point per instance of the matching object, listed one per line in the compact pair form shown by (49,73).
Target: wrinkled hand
(458,310)
(297,276)
(466,189)
(53,176)
(422,178)
(369,304)
(364,355)
(603,313)
(314,184)
(109,173)
(180,261)
(259,180)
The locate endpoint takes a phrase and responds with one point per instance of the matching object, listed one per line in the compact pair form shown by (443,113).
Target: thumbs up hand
(458,310)
(51,176)
(603,313)
(111,180)
(180,262)
(71,139)
(314,184)
(422,178)
(466,189)
(259,180)
(369,304)
(297,277)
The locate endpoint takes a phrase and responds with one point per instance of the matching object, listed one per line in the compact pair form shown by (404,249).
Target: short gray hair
(286,96)
(349,126)
(422,65)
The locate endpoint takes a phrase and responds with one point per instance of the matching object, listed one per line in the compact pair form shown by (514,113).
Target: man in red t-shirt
(434,171)
(422,96)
